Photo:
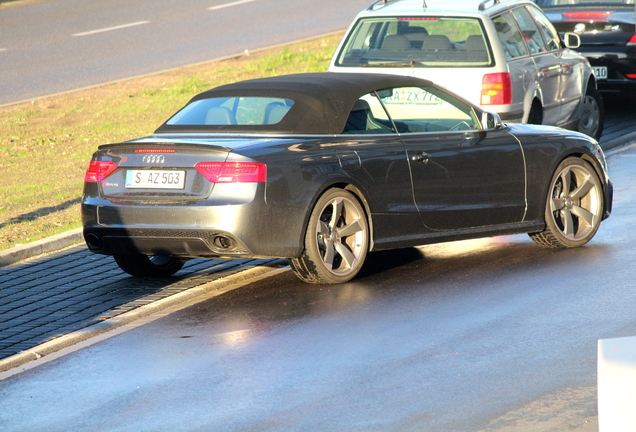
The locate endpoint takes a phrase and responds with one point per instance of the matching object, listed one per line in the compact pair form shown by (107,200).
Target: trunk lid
(151,171)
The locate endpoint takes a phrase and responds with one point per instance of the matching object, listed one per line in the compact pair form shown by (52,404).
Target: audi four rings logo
(154,159)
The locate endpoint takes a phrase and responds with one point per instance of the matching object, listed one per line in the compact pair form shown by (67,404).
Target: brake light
(99,170)
(154,150)
(418,19)
(233,172)
(496,89)
(588,15)
(632,40)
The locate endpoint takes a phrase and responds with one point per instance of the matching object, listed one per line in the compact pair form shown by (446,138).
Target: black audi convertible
(322,168)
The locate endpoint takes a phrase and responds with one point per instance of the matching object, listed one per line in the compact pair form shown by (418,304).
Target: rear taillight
(233,172)
(632,40)
(496,89)
(99,170)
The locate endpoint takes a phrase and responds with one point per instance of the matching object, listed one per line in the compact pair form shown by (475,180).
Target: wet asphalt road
(486,335)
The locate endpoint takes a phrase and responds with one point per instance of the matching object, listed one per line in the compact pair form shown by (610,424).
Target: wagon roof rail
(482,5)
(380,2)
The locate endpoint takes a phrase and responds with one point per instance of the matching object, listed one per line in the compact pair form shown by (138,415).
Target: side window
(368,117)
(427,109)
(510,36)
(546,28)
(529,30)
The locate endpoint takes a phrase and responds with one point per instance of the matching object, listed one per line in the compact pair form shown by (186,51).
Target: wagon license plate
(600,72)
(155,179)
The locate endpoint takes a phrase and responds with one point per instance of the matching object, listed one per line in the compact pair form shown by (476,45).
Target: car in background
(504,56)
(608,38)
(323,168)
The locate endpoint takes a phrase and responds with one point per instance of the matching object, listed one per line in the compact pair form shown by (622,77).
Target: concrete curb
(40,247)
(179,300)
(619,140)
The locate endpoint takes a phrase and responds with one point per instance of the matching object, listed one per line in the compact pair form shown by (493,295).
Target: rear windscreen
(416,42)
(241,111)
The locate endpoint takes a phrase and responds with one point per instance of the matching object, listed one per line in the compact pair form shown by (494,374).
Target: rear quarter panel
(544,152)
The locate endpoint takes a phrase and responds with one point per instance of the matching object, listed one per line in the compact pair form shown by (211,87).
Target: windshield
(585,3)
(415,42)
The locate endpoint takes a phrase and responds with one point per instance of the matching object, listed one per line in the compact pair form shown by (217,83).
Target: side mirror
(490,120)
(572,40)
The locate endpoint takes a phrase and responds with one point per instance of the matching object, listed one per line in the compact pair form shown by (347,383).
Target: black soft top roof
(322,101)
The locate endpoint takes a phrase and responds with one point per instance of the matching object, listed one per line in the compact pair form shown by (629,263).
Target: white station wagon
(504,56)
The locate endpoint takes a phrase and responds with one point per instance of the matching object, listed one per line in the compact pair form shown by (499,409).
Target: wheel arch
(608,191)
(540,178)
(349,187)
(591,82)
(533,97)
(600,172)
(535,103)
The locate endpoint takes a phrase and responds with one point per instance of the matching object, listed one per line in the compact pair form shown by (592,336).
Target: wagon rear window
(242,111)
(416,41)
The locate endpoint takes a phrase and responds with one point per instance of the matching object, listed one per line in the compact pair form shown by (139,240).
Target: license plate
(600,72)
(412,96)
(155,179)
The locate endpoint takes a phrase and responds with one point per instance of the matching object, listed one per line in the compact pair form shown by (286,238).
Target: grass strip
(45,144)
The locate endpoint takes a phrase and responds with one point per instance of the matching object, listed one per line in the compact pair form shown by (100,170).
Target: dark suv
(608,39)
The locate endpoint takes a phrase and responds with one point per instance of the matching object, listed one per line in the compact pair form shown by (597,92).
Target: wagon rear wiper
(411,63)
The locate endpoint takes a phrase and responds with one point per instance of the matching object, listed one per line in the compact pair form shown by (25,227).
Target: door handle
(421,157)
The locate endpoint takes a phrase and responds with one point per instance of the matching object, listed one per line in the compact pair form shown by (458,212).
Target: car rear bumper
(182,243)
(233,231)
(620,64)
(617,86)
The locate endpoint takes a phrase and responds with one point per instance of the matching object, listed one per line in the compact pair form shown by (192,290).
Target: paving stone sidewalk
(44,298)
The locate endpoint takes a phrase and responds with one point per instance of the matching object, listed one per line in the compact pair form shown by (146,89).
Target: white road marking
(3,49)
(111,28)
(236,3)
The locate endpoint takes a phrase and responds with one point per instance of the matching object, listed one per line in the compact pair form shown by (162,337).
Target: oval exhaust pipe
(92,241)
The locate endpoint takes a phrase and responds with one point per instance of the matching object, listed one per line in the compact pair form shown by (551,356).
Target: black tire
(574,206)
(592,114)
(336,240)
(149,266)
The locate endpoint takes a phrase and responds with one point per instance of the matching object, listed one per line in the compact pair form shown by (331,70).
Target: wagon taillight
(496,89)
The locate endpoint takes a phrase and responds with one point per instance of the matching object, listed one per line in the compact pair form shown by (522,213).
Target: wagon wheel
(592,114)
